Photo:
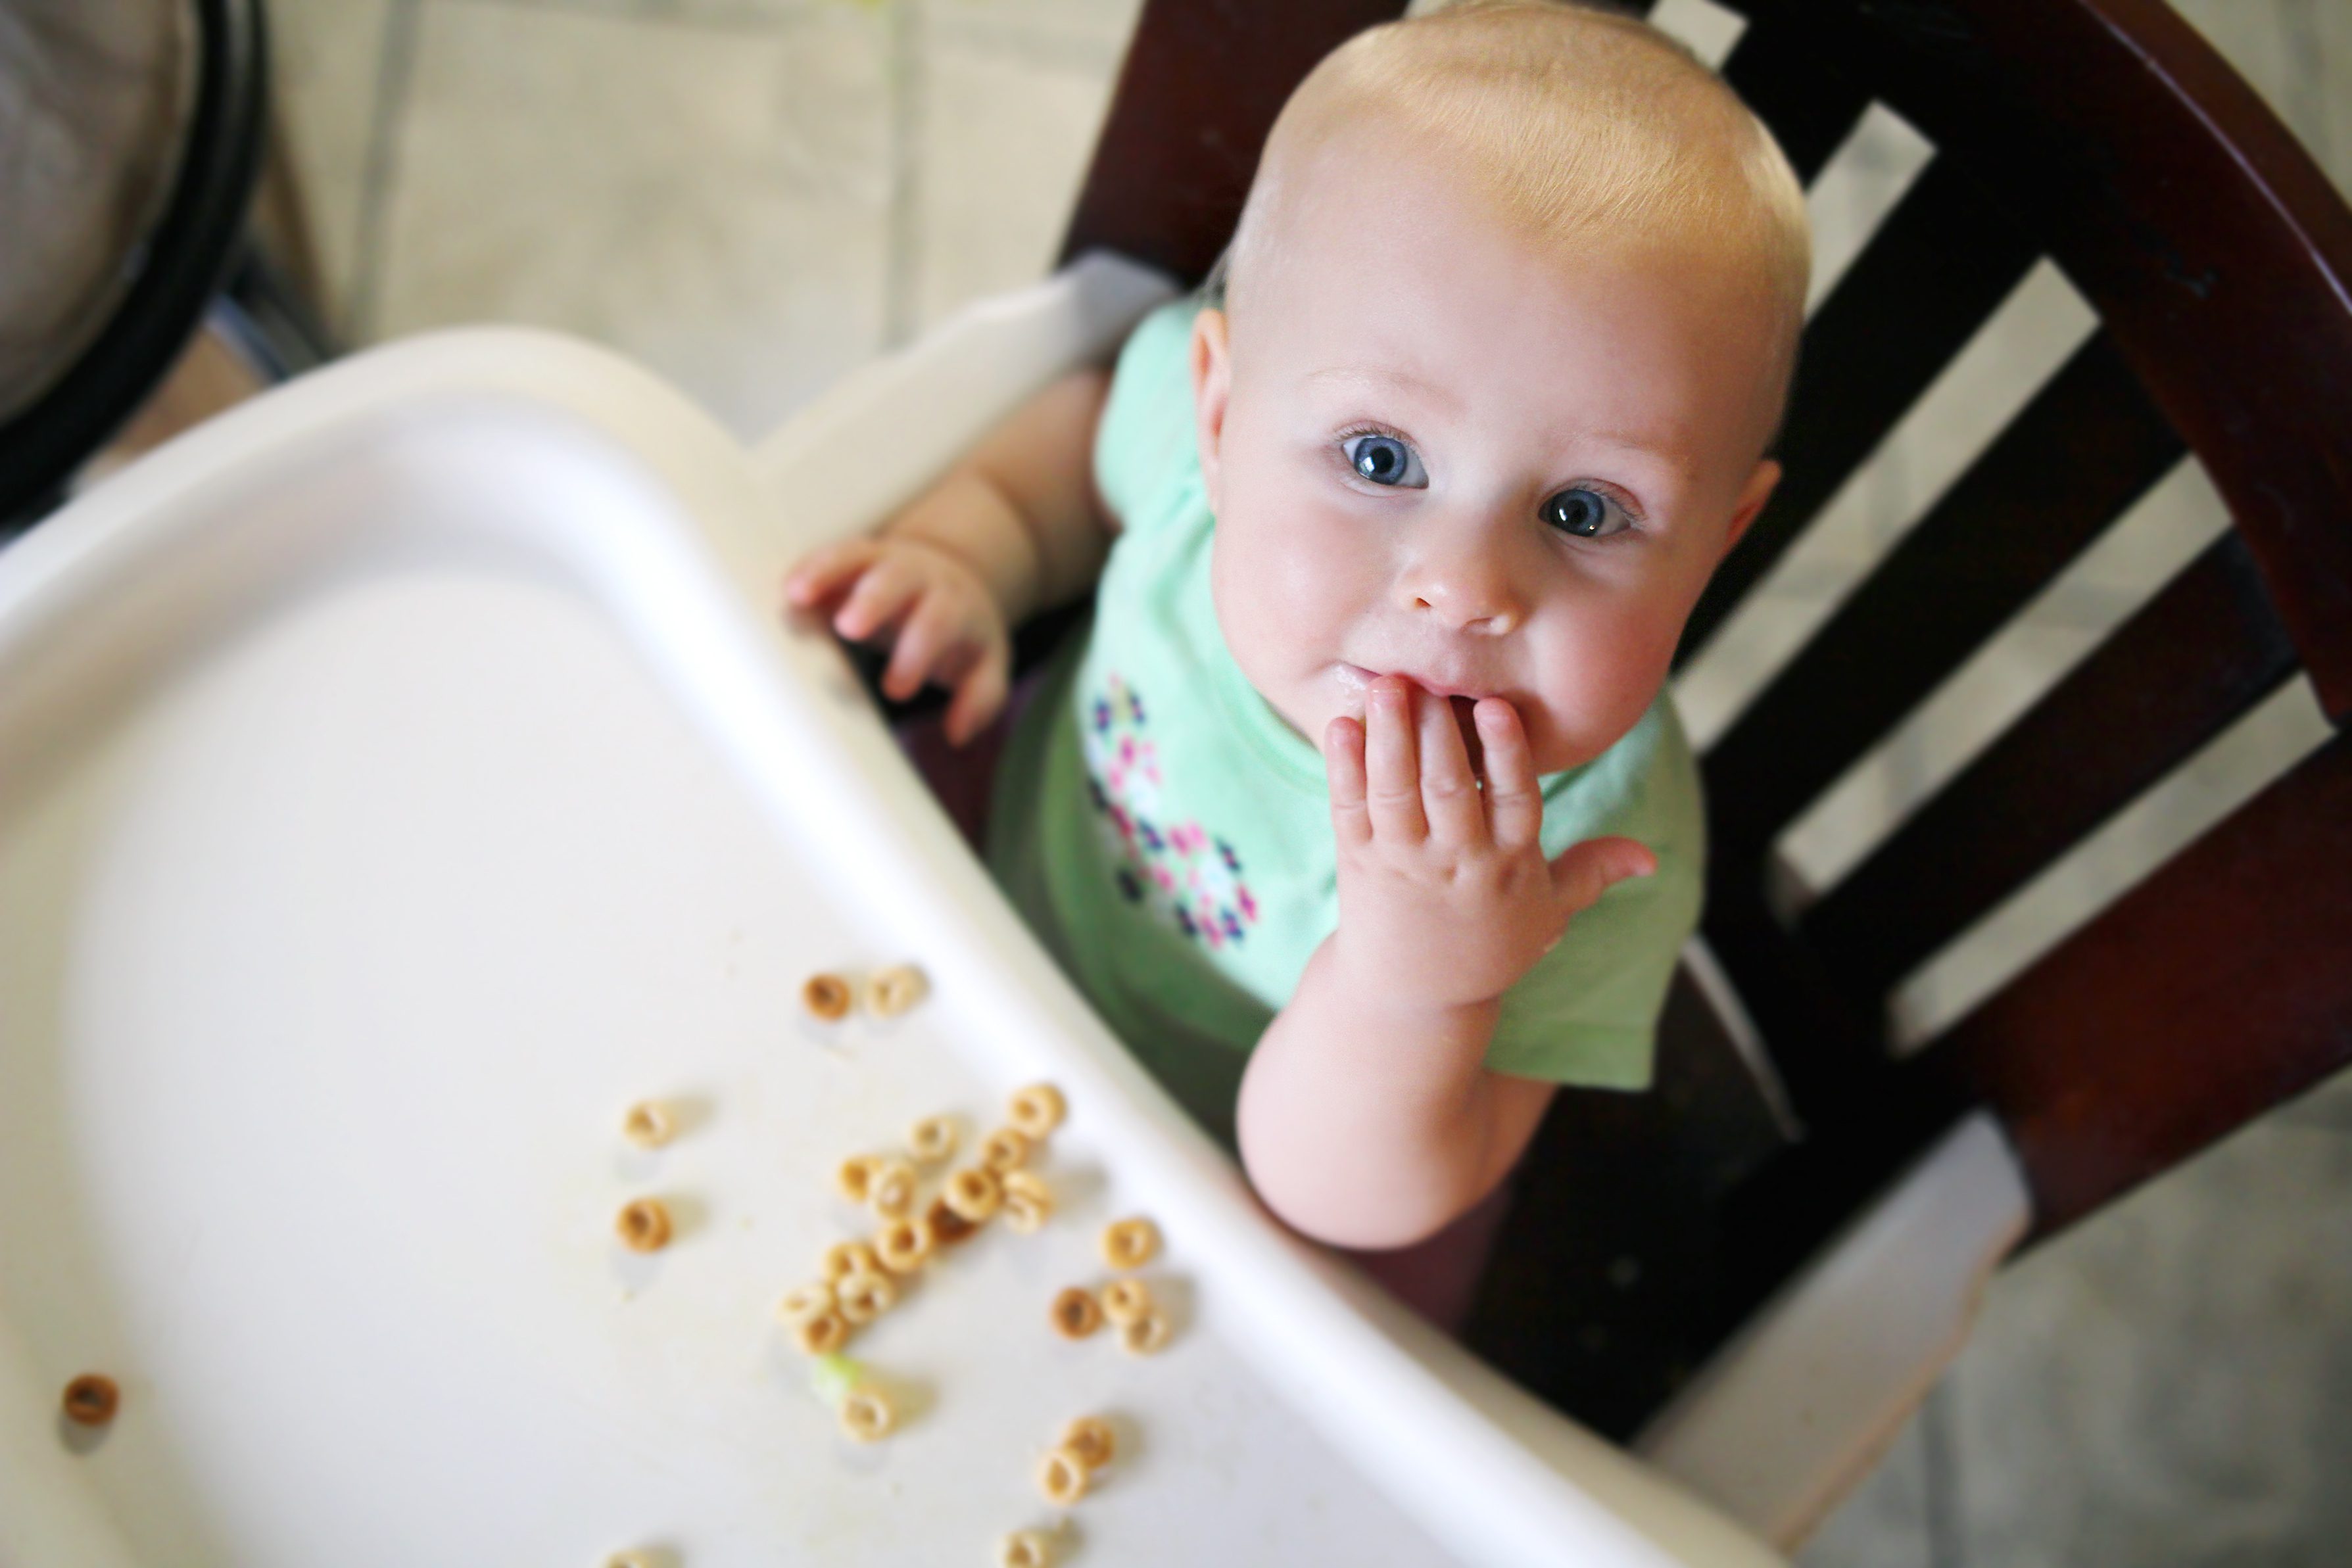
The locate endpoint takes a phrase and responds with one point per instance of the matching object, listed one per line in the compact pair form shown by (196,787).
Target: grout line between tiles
(903,226)
(1946,1533)
(396,70)
(1032,46)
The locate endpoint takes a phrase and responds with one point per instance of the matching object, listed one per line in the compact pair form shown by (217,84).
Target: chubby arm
(1369,1124)
(1367,1117)
(1017,527)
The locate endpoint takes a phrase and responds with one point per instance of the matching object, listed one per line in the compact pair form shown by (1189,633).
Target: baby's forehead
(1323,187)
(1381,227)
(1525,345)
(1571,132)
(1426,228)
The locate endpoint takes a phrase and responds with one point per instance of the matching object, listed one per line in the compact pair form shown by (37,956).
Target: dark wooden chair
(2105,135)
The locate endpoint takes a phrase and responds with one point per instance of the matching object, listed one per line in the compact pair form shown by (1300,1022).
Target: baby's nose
(1469,592)
(1494,622)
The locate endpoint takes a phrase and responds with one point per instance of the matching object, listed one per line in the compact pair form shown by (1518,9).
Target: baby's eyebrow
(1384,375)
(1641,447)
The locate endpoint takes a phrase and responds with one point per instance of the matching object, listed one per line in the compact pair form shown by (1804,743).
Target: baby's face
(1437,451)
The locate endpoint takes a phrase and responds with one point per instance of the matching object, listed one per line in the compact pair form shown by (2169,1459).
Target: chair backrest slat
(2199,654)
(2219,262)
(1939,265)
(2208,993)
(2215,250)
(1779,70)
(1197,93)
(2086,446)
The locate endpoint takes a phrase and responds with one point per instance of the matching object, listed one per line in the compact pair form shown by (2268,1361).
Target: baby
(1392,532)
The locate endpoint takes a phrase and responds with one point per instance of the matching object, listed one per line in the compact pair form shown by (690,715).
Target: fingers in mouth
(1464,709)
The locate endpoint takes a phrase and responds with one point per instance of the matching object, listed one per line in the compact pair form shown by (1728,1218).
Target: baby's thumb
(1581,872)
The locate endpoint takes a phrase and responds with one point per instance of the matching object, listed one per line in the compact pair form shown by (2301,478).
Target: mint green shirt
(1168,835)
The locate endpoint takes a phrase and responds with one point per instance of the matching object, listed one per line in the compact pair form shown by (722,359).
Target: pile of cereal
(861,1278)
(922,1201)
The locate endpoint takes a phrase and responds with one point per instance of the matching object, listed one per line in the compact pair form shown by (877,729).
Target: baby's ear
(1213,385)
(1752,497)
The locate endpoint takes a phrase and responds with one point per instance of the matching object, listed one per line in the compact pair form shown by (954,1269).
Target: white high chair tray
(401,776)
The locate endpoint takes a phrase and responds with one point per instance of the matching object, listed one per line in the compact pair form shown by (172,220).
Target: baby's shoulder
(1145,445)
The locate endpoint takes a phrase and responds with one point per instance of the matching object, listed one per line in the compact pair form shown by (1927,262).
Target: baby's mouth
(1462,707)
(1354,678)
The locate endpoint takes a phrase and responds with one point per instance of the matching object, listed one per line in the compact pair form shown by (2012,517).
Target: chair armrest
(943,392)
(1800,1405)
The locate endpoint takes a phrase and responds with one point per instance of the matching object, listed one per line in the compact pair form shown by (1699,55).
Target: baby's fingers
(826,570)
(936,630)
(1343,768)
(1514,801)
(1449,791)
(1391,771)
(1581,872)
(880,598)
(979,697)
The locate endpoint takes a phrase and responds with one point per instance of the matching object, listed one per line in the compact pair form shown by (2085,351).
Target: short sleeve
(1146,456)
(1588,1012)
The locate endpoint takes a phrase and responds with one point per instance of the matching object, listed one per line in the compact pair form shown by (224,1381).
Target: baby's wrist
(1374,983)
(970,522)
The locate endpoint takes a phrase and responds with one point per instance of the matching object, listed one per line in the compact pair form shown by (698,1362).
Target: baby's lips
(1353,685)
(1356,681)
(1357,684)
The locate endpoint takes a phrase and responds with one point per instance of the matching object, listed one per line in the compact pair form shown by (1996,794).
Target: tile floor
(755,196)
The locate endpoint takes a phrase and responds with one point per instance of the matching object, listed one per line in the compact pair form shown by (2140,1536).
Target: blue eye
(1585,513)
(1384,460)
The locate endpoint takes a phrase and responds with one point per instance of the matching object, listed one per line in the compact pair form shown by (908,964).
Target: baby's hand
(1446,898)
(939,620)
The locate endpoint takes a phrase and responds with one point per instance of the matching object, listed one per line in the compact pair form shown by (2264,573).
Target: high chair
(1757,1313)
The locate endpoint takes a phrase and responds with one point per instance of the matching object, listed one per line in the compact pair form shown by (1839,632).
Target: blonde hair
(1579,126)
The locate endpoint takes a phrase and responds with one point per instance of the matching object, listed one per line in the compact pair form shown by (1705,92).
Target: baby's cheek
(1595,686)
(1267,576)
(1238,583)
